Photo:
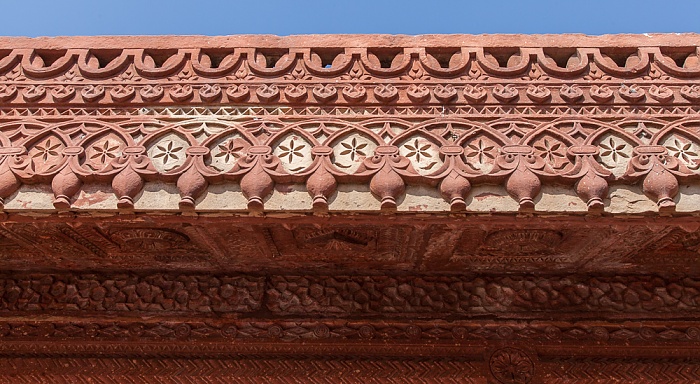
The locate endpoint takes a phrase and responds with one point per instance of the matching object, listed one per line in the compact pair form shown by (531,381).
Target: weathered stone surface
(501,209)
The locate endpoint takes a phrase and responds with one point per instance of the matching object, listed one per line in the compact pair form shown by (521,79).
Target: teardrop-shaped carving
(191,185)
(592,189)
(126,185)
(256,185)
(65,185)
(9,182)
(454,188)
(388,186)
(321,185)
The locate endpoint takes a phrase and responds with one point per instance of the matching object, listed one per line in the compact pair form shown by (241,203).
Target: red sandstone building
(493,209)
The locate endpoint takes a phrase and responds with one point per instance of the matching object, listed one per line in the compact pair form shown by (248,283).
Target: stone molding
(219,209)
(449,154)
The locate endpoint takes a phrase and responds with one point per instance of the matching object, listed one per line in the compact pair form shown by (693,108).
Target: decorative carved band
(324,296)
(448,153)
(415,74)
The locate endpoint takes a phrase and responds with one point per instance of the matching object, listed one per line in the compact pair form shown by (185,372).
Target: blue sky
(146,17)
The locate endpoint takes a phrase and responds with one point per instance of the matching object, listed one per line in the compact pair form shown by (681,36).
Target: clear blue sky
(146,17)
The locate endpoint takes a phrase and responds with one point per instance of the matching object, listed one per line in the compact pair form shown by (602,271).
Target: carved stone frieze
(488,209)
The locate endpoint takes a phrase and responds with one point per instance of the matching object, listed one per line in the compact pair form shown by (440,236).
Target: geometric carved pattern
(104,287)
(428,86)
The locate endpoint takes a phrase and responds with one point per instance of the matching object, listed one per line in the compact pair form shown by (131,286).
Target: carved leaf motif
(238,92)
(63,93)
(538,93)
(34,93)
(386,92)
(7,92)
(691,92)
(92,93)
(418,92)
(210,92)
(474,94)
(445,93)
(122,93)
(181,92)
(354,92)
(632,93)
(152,93)
(601,94)
(506,93)
(571,93)
(325,93)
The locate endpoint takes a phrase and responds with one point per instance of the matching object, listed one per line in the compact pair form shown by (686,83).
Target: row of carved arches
(327,151)
(167,142)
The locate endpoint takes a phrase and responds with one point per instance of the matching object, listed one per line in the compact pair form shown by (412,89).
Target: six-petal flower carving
(102,153)
(683,151)
(46,150)
(291,150)
(613,149)
(482,151)
(230,150)
(551,151)
(168,152)
(418,150)
(353,149)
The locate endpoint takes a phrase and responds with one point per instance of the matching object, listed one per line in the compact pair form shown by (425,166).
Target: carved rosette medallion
(511,366)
